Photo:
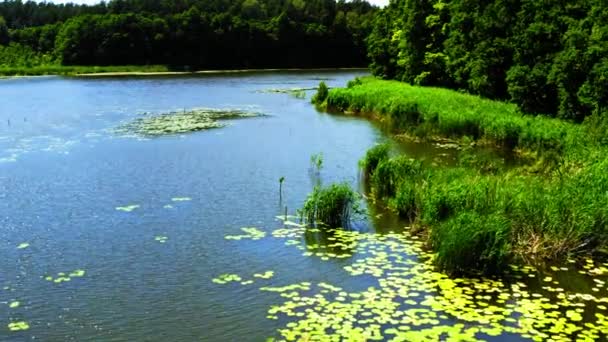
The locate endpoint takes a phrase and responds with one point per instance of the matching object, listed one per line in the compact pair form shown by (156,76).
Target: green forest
(187,34)
(548,57)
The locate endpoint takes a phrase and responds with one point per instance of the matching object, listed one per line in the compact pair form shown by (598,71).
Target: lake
(114,237)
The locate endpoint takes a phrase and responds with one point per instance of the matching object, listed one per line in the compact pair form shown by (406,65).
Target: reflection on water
(112,238)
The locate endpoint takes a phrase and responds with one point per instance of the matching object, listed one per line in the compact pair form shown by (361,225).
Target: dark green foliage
(331,206)
(3,32)
(480,214)
(547,57)
(470,242)
(373,157)
(391,173)
(321,94)
(196,34)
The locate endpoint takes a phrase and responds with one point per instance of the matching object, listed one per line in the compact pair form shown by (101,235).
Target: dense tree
(3,32)
(546,56)
(196,33)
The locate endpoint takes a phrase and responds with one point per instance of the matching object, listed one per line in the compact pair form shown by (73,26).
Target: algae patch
(172,123)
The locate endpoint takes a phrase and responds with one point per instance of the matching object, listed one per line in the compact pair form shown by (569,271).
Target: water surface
(149,272)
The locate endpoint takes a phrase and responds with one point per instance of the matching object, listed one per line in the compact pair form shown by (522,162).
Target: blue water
(63,171)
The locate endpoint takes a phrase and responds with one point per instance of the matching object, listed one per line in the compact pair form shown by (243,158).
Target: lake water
(76,268)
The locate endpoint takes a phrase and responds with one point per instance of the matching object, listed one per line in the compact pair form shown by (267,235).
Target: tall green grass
(480,217)
(330,206)
(428,111)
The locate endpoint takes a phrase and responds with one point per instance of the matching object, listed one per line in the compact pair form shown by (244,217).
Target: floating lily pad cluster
(251,233)
(182,122)
(161,239)
(65,277)
(18,326)
(235,278)
(414,302)
(181,199)
(128,208)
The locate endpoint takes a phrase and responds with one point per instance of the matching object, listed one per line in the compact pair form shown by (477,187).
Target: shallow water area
(106,237)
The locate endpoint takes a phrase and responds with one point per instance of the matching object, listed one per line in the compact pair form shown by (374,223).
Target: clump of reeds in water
(330,206)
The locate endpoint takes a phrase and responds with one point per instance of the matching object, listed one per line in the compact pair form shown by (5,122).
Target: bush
(321,94)
(331,206)
(373,157)
(470,242)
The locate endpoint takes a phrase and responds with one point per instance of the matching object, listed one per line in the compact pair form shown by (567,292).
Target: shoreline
(211,72)
(140,73)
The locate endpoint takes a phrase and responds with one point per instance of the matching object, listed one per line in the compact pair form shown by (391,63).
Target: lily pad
(182,122)
(128,208)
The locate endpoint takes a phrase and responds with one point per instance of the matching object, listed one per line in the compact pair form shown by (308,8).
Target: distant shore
(154,70)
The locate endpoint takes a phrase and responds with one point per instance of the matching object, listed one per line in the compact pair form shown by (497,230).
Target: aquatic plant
(281,180)
(411,301)
(23,245)
(128,208)
(250,233)
(321,94)
(182,122)
(373,157)
(18,326)
(331,206)
(316,162)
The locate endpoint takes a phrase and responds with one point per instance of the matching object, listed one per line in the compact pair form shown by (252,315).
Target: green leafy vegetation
(411,301)
(330,206)
(480,217)
(42,38)
(548,58)
(180,123)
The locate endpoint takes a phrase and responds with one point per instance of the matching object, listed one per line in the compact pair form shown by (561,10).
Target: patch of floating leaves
(18,326)
(181,199)
(65,277)
(161,239)
(414,302)
(182,122)
(128,208)
(250,233)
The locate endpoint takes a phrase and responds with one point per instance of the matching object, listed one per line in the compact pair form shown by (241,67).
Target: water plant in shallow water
(182,122)
(65,277)
(128,208)
(316,162)
(250,233)
(331,206)
(410,300)
(181,199)
(161,239)
(18,326)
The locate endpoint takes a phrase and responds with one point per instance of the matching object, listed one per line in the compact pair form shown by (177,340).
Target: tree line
(548,57)
(192,33)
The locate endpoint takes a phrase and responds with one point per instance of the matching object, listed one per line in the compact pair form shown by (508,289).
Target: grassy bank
(477,220)
(78,70)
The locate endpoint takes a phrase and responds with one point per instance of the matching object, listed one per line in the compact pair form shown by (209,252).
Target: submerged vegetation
(479,219)
(182,122)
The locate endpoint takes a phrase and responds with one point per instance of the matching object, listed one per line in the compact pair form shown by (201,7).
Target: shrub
(471,242)
(321,94)
(331,206)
